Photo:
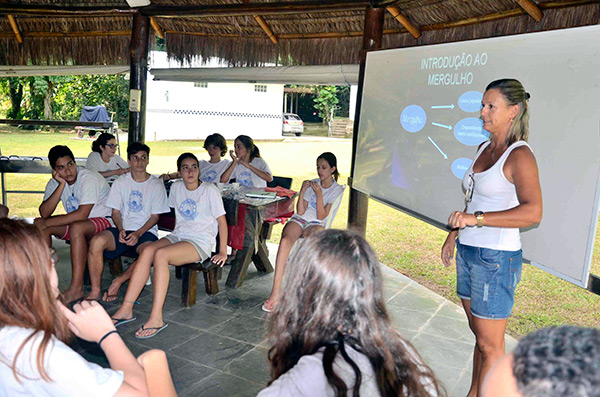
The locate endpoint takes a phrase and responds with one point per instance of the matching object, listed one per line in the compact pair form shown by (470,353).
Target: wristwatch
(479,216)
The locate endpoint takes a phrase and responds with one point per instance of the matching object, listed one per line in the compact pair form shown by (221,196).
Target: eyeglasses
(53,256)
(112,145)
(469,192)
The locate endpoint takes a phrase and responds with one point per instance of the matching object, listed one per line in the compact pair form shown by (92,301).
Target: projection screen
(420,128)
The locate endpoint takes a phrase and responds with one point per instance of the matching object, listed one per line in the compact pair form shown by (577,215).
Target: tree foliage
(325,99)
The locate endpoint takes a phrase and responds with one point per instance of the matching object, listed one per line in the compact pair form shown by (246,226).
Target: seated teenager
(136,199)
(35,328)
(104,159)
(314,205)
(247,167)
(330,332)
(83,194)
(211,170)
(199,215)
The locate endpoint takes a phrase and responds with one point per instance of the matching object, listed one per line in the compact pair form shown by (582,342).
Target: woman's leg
(138,278)
(490,342)
(158,377)
(177,254)
(311,230)
(476,353)
(291,232)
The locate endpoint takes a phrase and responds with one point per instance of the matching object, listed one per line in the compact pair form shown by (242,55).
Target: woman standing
(503,195)
(331,334)
(247,167)
(104,159)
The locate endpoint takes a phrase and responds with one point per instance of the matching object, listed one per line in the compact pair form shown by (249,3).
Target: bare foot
(151,328)
(93,295)
(122,314)
(113,291)
(70,295)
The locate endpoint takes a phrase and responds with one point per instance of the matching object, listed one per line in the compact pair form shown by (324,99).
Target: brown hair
(334,296)
(27,299)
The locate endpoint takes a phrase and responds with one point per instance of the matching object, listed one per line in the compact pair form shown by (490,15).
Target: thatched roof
(98,31)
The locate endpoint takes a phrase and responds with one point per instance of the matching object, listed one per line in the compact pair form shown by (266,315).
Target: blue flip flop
(157,329)
(121,321)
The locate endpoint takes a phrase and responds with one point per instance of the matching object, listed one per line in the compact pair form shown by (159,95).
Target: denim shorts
(488,278)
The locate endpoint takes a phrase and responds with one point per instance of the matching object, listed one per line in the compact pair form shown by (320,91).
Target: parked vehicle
(292,123)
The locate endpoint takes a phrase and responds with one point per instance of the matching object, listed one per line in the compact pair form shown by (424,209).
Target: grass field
(401,242)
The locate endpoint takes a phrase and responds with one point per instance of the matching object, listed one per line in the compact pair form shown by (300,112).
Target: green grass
(404,243)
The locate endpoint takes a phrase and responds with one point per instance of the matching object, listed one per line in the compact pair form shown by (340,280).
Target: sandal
(156,331)
(268,306)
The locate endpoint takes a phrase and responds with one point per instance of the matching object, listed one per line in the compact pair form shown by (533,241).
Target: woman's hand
(316,187)
(89,320)
(461,220)
(219,259)
(233,157)
(448,249)
(305,185)
(123,171)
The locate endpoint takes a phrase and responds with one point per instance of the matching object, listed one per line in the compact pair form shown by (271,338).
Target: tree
(325,99)
(15,89)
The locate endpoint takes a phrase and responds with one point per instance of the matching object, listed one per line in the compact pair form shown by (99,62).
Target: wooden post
(138,64)
(372,37)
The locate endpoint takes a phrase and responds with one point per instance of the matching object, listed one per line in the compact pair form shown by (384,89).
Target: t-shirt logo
(188,209)
(136,201)
(210,176)
(72,204)
(313,201)
(245,179)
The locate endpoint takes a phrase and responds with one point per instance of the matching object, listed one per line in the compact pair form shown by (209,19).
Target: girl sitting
(314,204)
(104,159)
(199,215)
(247,167)
(35,328)
(330,332)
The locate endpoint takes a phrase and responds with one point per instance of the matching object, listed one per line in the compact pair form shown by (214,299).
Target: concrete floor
(216,348)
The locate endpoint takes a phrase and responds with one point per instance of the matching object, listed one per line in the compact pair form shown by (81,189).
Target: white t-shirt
(95,163)
(329,196)
(196,213)
(137,201)
(89,188)
(245,177)
(211,172)
(71,374)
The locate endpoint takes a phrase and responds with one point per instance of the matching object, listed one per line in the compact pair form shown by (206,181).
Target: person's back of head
(57,152)
(334,295)
(27,294)
(558,361)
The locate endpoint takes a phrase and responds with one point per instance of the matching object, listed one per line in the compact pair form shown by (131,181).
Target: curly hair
(558,361)
(333,283)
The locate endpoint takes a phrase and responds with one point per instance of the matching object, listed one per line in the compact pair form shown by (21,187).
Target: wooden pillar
(372,37)
(138,64)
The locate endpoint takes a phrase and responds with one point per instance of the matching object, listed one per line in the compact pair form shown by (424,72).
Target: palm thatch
(306,38)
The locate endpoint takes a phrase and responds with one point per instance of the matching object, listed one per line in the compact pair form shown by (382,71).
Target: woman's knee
(161,255)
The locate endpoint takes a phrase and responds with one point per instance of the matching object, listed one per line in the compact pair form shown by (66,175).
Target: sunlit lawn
(401,242)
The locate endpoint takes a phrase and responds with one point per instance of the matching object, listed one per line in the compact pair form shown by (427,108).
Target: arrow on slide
(442,125)
(438,148)
(443,107)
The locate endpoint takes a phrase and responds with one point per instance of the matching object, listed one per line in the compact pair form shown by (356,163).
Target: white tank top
(491,192)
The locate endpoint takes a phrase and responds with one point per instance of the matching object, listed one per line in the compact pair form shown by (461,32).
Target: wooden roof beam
(265,27)
(157,29)
(15,28)
(531,9)
(414,31)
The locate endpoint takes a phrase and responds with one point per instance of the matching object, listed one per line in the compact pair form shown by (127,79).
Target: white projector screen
(420,128)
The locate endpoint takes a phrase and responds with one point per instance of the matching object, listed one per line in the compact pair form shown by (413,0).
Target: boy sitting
(136,198)
(83,194)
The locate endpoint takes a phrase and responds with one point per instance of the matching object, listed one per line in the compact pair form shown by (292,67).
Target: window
(201,84)
(260,88)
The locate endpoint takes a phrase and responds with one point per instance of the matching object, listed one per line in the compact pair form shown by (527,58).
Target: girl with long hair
(316,198)
(247,167)
(104,158)
(35,328)
(330,332)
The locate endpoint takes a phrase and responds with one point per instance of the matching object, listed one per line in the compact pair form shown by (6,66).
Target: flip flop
(121,321)
(157,329)
(268,306)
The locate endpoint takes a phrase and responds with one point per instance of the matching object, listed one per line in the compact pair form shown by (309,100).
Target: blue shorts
(488,278)
(124,249)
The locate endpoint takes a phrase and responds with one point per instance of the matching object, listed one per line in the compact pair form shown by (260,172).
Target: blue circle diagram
(413,118)
(460,167)
(469,131)
(470,101)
